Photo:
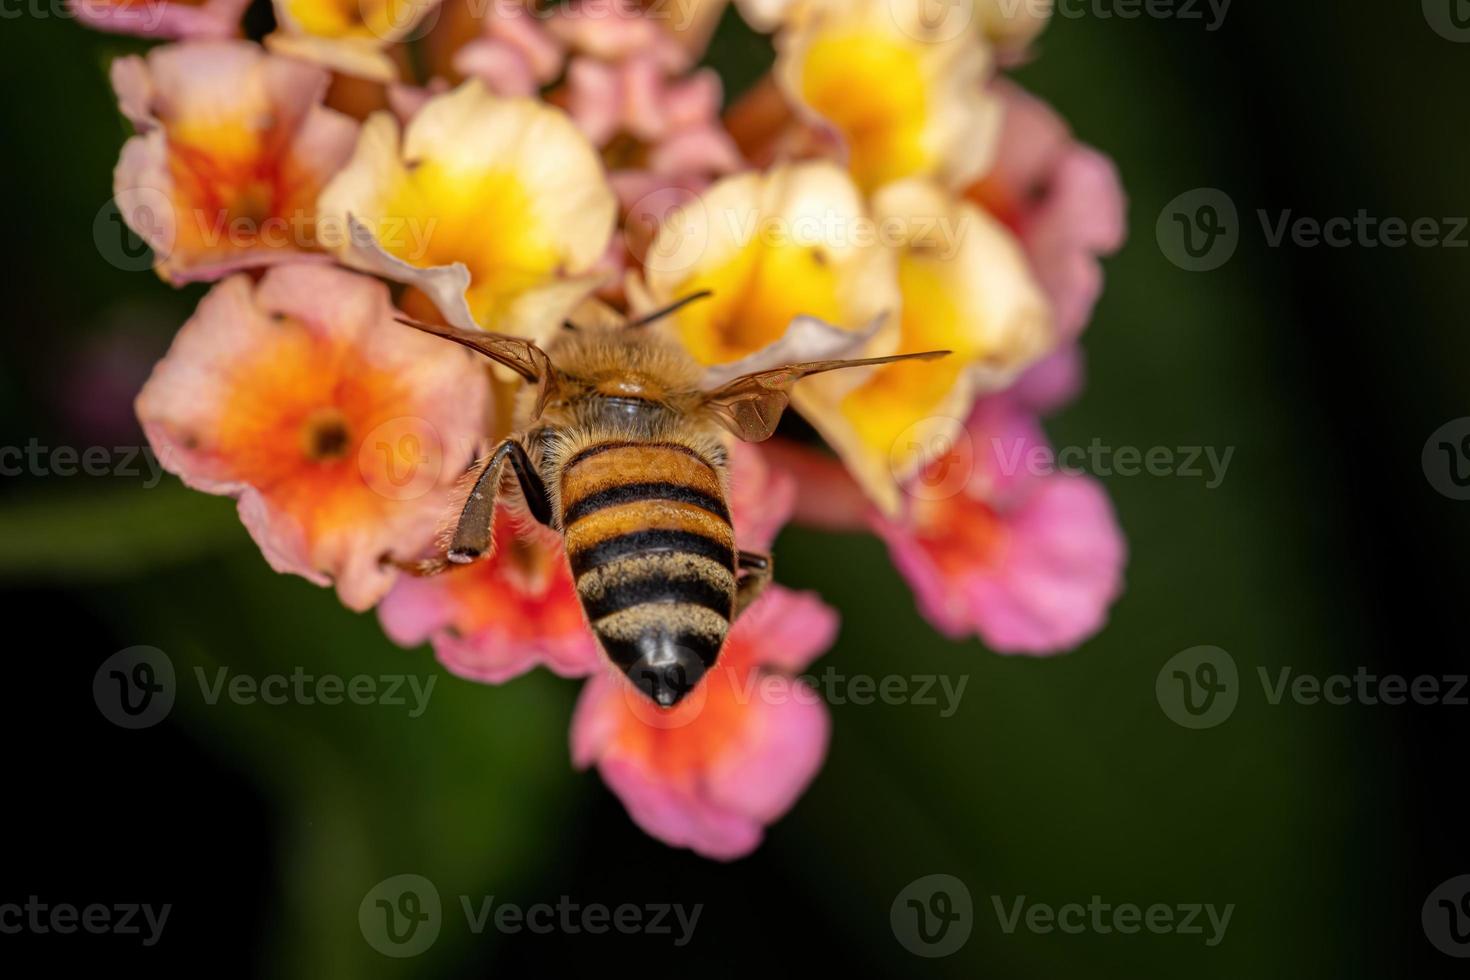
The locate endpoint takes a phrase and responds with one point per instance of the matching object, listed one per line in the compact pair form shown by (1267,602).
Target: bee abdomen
(650,544)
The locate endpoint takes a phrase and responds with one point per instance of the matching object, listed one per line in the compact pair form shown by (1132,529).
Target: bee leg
(749,586)
(471,539)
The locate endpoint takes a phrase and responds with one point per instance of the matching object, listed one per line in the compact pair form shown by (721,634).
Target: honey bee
(617,447)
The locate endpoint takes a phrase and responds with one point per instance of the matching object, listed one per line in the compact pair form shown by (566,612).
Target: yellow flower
(797,241)
(498,209)
(966,287)
(905,89)
(349,36)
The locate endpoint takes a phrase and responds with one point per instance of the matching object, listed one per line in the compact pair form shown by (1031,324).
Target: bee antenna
(669,310)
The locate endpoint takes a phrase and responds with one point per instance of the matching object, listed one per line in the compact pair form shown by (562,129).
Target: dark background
(1325,549)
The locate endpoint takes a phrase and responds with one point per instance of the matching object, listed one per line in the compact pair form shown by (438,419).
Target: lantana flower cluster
(507,166)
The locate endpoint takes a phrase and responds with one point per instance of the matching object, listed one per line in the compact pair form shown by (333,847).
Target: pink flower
(162,18)
(997,543)
(612,30)
(762,497)
(503,615)
(676,121)
(339,431)
(515,54)
(711,773)
(994,540)
(1053,382)
(661,139)
(233,147)
(1062,198)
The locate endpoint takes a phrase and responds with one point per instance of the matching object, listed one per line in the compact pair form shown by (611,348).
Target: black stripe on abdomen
(628,493)
(626,594)
(649,542)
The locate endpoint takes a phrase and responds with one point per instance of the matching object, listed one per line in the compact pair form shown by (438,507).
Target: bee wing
(751,406)
(520,355)
(516,353)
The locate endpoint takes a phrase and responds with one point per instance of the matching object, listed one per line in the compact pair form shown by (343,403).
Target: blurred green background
(1324,549)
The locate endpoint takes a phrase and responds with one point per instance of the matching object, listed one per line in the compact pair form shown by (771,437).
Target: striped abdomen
(651,548)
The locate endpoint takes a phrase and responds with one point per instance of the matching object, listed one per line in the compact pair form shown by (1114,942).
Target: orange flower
(339,431)
(501,616)
(233,148)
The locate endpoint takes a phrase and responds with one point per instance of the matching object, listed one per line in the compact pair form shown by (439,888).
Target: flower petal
(502,616)
(505,187)
(711,773)
(761,497)
(1029,559)
(796,241)
(233,148)
(347,36)
(906,91)
(966,288)
(1063,199)
(339,431)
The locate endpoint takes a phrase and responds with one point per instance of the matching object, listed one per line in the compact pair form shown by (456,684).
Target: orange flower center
(326,436)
